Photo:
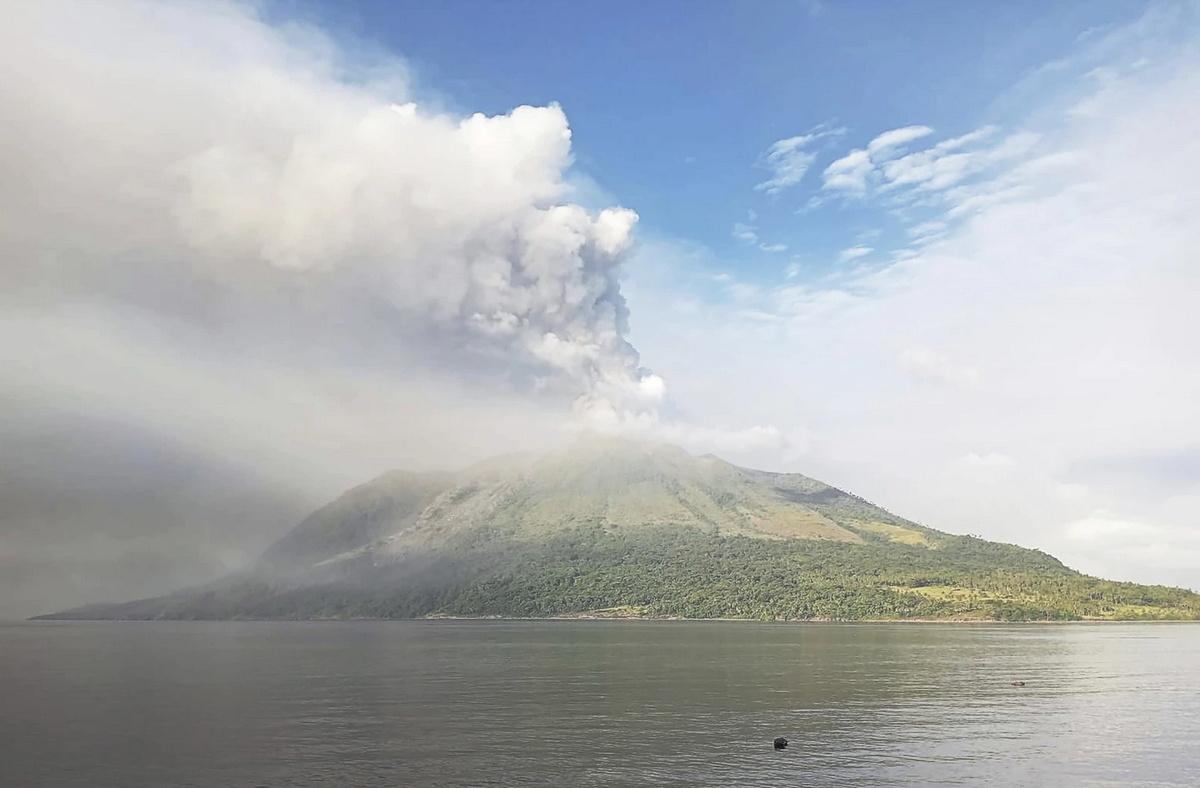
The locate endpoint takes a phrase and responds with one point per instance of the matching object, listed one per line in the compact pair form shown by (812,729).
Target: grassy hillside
(613,529)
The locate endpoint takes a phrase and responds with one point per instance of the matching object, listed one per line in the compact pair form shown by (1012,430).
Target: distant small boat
(1018,684)
(780,743)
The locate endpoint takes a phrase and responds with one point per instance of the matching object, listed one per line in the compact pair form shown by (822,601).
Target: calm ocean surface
(597,704)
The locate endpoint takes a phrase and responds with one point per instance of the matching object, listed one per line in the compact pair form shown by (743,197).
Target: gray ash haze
(247,264)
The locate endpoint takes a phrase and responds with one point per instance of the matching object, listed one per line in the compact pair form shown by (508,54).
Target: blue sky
(674,104)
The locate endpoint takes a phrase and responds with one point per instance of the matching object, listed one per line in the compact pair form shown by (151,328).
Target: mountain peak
(615,523)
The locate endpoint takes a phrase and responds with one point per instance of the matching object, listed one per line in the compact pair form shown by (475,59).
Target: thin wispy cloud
(926,232)
(789,159)
(748,234)
(884,166)
(745,233)
(888,141)
(927,188)
(852,172)
(947,164)
(854,253)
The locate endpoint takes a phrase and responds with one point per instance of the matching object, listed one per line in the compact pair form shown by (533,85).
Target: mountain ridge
(613,527)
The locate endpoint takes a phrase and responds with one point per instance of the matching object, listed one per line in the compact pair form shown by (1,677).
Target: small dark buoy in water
(780,743)
(1018,684)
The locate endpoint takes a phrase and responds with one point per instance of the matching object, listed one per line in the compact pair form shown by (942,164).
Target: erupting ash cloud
(201,143)
(250,248)
(453,227)
(239,249)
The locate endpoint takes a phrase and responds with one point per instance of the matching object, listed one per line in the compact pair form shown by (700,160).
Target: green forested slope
(615,529)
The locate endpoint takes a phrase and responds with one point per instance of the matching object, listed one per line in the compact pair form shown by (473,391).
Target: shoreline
(585,617)
(639,619)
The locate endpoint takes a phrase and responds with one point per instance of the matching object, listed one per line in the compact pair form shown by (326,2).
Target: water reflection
(597,703)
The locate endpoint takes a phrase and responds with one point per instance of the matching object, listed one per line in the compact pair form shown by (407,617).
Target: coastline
(638,619)
(585,617)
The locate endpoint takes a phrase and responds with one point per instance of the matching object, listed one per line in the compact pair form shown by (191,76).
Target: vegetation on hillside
(690,573)
(617,528)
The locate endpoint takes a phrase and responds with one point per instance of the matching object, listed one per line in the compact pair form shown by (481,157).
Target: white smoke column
(257,160)
(455,223)
(189,163)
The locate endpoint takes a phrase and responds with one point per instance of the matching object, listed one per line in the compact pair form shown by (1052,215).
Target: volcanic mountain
(612,528)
